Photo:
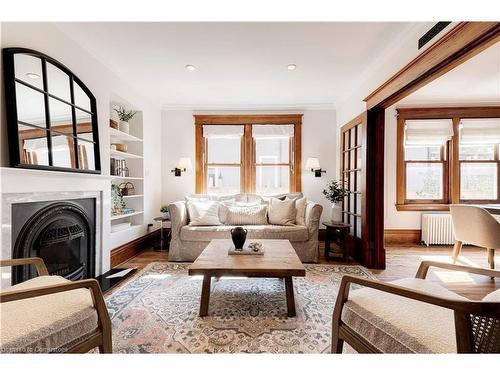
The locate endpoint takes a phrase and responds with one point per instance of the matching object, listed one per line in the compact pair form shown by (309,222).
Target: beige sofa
(188,241)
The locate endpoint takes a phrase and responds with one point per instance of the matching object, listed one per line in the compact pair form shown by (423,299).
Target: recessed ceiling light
(33,75)
(291,67)
(190,67)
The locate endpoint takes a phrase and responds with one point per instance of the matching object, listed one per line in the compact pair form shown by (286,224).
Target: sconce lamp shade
(313,164)
(185,164)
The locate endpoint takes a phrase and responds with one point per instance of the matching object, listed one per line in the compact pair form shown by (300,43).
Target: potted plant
(335,193)
(164,211)
(124,116)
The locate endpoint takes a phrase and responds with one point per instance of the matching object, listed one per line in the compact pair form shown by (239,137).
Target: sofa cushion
(206,233)
(282,212)
(250,214)
(395,324)
(203,212)
(300,206)
(47,323)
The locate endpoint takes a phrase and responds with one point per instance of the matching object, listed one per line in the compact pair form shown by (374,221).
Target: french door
(352,155)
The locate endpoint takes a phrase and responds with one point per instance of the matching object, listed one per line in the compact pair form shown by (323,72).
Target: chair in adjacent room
(475,226)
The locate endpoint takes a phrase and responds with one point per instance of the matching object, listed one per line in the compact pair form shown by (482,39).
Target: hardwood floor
(402,261)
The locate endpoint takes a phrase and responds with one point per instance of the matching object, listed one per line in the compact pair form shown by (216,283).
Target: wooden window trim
(451,163)
(248,149)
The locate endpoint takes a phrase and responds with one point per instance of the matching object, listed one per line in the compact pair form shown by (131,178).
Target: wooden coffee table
(279,260)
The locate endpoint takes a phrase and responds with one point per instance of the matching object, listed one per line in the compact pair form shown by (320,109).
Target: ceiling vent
(433,31)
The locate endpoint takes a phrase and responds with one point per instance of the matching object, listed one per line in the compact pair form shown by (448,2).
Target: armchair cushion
(395,324)
(492,297)
(49,323)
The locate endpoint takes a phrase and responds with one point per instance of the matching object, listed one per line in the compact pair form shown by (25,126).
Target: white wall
(319,139)
(48,39)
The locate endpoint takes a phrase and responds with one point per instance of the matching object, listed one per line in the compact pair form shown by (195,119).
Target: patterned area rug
(157,312)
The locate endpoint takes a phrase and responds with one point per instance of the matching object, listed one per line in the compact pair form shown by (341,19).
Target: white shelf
(132,196)
(125,229)
(124,155)
(117,135)
(126,178)
(116,217)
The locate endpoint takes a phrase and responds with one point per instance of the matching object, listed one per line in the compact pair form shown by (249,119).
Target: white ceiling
(477,81)
(238,64)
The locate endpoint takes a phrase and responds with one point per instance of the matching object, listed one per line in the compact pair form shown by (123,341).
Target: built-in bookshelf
(127,170)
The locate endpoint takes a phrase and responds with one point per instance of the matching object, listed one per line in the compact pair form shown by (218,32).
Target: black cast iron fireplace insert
(62,233)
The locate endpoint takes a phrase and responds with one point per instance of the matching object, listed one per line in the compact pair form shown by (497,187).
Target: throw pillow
(300,205)
(246,215)
(282,212)
(203,213)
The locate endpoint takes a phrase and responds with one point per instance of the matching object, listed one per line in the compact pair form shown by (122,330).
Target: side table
(162,220)
(336,232)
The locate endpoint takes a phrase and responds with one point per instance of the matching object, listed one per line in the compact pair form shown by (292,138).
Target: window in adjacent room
(426,167)
(447,155)
(479,162)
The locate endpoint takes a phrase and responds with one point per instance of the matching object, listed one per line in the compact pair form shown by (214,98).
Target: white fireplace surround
(21,186)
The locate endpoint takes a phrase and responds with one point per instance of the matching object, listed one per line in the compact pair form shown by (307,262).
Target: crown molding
(247,108)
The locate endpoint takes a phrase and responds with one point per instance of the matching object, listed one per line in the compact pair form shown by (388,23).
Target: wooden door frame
(464,41)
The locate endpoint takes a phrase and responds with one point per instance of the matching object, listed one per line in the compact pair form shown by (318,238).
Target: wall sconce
(183,165)
(314,166)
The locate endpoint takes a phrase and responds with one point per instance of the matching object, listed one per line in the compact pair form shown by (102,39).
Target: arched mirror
(51,114)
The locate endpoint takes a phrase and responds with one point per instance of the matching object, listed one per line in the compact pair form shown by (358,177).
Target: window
(247,154)
(425,155)
(447,155)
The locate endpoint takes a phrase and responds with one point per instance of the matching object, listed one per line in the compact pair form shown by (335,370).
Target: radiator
(437,229)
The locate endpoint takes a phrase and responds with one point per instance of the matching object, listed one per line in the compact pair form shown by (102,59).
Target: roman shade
(479,131)
(272,131)
(223,131)
(428,132)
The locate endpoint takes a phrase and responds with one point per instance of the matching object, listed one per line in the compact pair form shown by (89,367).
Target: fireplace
(62,233)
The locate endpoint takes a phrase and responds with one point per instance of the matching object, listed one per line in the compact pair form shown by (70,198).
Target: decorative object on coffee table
(253,248)
(280,261)
(336,233)
(239,236)
(335,193)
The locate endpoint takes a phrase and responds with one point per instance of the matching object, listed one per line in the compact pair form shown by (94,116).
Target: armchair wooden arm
(38,262)
(102,339)
(464,310)
(426,264)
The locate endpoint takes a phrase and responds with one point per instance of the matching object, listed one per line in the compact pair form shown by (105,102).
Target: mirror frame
(12,115)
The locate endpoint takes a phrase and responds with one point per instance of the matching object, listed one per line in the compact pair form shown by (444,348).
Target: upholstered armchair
(415,316)
(49,314)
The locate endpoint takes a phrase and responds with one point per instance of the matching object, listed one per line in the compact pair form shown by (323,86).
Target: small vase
(239,236)
(124,126)
(337,212)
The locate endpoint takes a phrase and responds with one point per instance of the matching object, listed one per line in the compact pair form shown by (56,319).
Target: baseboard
(130,249)
(402,236)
